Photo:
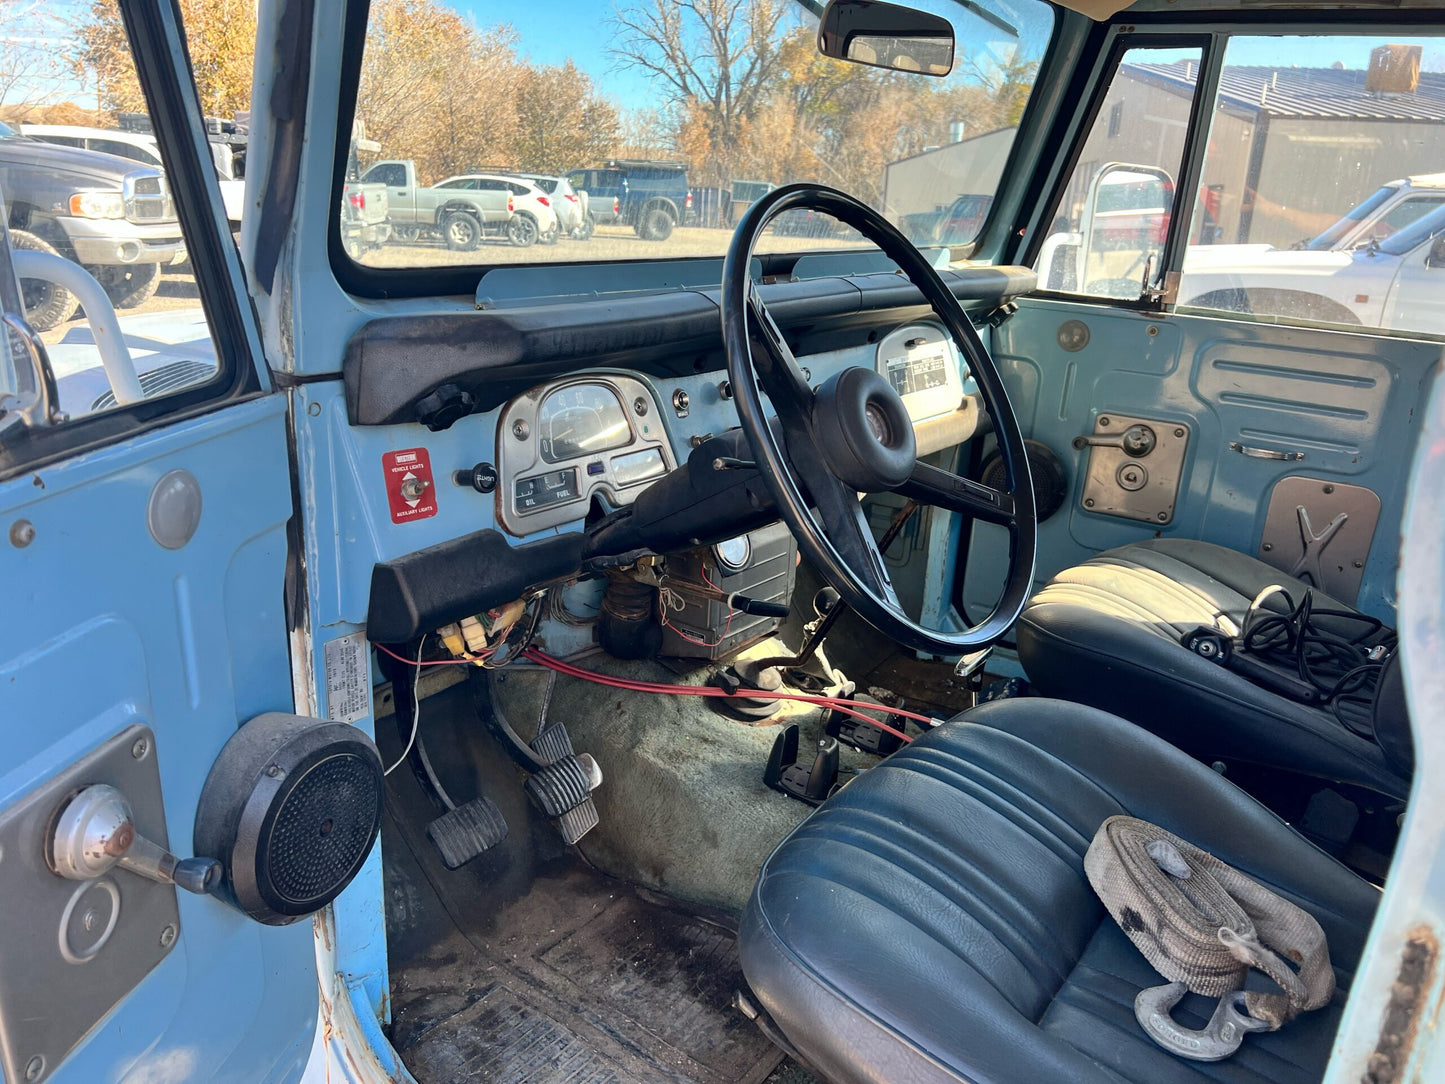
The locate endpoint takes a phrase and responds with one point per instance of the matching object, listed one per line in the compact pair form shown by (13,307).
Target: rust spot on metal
(1401,1023)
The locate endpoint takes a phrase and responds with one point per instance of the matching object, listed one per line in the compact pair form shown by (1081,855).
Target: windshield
(668,119)
(1422,229)
(1333,235)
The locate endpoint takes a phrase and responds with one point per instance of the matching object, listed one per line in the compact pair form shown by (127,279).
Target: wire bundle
(1344,667)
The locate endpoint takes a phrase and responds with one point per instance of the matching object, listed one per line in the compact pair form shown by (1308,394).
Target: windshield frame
(461,280)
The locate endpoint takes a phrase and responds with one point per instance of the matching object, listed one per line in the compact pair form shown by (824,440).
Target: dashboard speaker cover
(1051,484)
(291,808)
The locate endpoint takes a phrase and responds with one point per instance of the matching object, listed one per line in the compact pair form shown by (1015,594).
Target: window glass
(1108,233)
(1325,155)
(669,119)
(115,217)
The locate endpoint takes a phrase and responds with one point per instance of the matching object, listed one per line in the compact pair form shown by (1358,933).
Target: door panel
(108,628)
(1346,401)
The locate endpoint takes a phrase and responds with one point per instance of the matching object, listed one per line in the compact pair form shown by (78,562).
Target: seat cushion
(1107,633)
(932,921)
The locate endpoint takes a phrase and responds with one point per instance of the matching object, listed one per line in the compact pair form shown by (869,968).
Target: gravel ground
(609,243)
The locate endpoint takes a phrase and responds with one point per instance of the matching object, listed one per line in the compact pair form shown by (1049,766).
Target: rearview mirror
(886,36)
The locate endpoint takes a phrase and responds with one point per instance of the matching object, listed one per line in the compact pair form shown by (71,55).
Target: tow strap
(1203,925)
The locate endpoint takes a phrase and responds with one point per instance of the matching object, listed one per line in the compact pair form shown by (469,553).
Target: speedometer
(581,420)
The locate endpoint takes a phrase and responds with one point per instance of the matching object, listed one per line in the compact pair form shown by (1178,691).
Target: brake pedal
(467,831)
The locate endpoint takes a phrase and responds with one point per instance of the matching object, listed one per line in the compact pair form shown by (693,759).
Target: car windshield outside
(668,120)
(1419,231)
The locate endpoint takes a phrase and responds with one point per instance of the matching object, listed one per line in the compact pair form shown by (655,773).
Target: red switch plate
(409,487)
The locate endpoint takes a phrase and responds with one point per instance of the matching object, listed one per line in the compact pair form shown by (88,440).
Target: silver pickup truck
(462,210)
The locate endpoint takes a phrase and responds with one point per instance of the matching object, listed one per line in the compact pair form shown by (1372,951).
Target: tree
(31,70)
(716,61)
(561,120)
(221,38)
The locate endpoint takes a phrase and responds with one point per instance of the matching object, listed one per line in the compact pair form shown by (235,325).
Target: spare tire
(128,285)
(47,304)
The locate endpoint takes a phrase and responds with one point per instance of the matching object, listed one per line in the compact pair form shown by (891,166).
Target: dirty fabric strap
(1203,923)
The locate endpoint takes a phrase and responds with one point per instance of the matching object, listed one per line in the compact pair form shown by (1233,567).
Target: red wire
(439,662)
(847,707)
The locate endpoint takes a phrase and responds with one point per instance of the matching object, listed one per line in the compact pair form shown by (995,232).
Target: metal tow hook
(1216,1041)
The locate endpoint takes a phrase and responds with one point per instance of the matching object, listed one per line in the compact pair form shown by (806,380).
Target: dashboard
(608,434)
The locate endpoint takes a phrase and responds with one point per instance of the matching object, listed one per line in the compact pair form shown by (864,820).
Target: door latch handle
(1264,453)
(1137,441)
(95,831)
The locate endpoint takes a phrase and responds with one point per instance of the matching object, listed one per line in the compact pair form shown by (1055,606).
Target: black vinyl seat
(1107,633)
(932,921)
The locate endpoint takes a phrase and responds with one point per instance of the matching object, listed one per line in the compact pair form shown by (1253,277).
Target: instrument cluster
(560,443)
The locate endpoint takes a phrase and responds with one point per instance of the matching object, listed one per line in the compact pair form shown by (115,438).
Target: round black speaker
(1051,484)
(291,808)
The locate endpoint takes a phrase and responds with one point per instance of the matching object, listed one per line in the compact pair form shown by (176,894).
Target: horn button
(864,431)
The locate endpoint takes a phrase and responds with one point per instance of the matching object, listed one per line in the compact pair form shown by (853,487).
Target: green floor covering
(683,807)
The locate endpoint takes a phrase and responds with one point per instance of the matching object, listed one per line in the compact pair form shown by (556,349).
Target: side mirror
(1436,256)
(1124,224)
(886,36)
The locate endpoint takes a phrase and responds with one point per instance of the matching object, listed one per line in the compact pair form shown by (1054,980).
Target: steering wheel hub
(865,431)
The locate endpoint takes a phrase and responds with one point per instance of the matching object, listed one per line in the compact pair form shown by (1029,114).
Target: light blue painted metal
(104,627)
(1350,401)
(1413,907)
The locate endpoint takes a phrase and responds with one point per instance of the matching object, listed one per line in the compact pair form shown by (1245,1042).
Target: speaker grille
(323,829)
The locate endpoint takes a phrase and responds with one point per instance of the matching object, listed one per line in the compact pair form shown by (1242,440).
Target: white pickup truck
(1381,265)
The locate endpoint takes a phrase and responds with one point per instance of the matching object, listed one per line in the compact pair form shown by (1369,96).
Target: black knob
(443,407)
(482,477)
(824,601)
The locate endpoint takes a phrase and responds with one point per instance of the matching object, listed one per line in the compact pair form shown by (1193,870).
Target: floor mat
(526,965)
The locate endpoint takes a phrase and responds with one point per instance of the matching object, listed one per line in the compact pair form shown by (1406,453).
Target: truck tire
(128,285)
(656,223)
(47,304)
(522,230)
(461,231)
(585,231)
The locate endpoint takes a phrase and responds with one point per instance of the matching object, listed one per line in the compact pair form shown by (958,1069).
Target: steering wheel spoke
(943,489)
(841,516)
(776,366)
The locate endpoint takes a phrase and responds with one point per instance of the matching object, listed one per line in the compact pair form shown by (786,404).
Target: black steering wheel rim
(859,576)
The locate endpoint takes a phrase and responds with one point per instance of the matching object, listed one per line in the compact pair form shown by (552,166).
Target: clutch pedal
(462,833)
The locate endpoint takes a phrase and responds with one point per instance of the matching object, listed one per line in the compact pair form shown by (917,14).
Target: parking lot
(178,289)
(608,243)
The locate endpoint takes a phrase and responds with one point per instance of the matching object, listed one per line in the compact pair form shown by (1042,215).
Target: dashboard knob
(444,407)
(482,477)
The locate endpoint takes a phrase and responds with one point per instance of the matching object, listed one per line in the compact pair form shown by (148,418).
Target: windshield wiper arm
(989,17)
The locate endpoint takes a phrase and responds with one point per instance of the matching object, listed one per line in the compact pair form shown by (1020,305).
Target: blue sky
(552,31)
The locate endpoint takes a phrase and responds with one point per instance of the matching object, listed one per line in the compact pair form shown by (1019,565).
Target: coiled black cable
(1344,667)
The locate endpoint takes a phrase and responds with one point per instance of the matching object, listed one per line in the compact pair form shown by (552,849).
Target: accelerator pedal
(464,832)
(563,789)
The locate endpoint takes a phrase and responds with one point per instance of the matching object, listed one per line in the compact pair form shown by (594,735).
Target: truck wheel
(522,230)
(406,235)
(585,231)
(128,285)
(461,231)
(656,224)
(47,304)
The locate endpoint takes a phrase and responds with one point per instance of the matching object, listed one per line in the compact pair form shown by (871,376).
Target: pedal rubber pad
(467,831)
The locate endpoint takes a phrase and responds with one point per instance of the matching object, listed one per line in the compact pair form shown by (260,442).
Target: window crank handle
(1137,441)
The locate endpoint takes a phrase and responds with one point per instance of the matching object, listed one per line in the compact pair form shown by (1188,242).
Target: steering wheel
(855,435)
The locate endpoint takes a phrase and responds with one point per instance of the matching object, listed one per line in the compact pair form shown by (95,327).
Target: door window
(1321,152)
(391,174)
(1108,234)
(115,219)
